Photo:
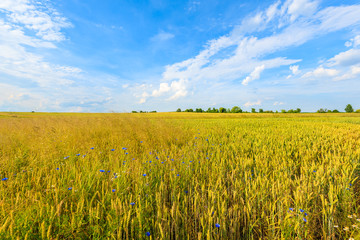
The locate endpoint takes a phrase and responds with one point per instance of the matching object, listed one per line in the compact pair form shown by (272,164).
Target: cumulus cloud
(354,42)
(346,58)
(249,104)
(322,72)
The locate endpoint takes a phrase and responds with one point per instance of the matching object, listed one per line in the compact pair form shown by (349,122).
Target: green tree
(335,111)
(349,108)
(253,110)
(261,110)
(298,110)
(222,110)
(236,109)
(178,110)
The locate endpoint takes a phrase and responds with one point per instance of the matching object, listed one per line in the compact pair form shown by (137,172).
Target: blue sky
(104,56)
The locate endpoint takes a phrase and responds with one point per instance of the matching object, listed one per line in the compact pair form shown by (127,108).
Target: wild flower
(101,170)
(132,204)
(70,188)
(113,190)
(4,179)
(217,225)
(148,234)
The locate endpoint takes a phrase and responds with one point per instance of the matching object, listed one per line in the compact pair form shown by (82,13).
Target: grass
(268,176)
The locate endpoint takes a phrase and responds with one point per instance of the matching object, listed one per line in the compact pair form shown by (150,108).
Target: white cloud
(25,24)
(346,58)
(253,75)
(294,69)
(278,103)
(249,104)
(322,72)
(162,36)
(291,23)
(35,16)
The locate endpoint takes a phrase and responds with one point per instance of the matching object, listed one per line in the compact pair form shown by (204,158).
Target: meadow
(179,176)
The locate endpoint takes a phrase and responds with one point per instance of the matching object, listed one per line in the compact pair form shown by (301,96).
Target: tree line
(237,109)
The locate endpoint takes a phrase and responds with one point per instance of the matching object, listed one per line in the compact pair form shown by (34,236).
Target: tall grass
(179,176)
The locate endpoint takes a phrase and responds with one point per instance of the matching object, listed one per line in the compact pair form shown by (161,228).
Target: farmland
(179,176)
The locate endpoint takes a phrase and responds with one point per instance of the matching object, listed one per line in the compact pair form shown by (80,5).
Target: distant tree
(214,110)
(189,110)
(253,110)
(134,111)
(199,110)
(283,111)
(261,110)
(357,111)
(329,111)
(335,111)
(298,110)
(291,111)
(153,111)
(321,110)
(236,109)
(349,108)
(178,110)
(276,111)
(222,110)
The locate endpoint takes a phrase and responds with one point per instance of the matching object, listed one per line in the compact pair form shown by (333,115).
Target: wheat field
(179,176)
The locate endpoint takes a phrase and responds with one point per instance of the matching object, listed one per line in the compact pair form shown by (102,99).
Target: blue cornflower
(314,171)
(108,171)
(217,225)
(92,148)
(304,219)
(301,210)
(305,214)
(124,148)
(126,153)
(132,204)
(57,168)
(78,154)
(291,209)
(347,188)
(186,191)
(144,174)
(140,141)
(178,175)
(66,157)
(157,158)
(113,190)
(101,170)
(4,179)
(70,188)
(162,162)
(112,150)
(148,234)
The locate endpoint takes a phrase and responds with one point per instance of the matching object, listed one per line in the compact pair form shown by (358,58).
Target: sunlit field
(179,176)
